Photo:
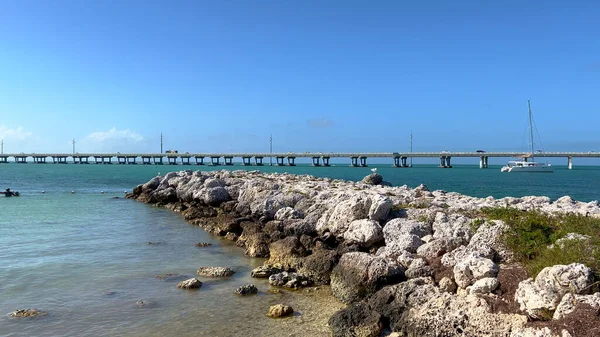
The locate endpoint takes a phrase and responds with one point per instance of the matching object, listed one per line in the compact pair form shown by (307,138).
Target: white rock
(485,285)
(570,301)
(380,207)
(365,232)
(473,269)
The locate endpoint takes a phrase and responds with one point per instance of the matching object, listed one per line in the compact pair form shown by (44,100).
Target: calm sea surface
(84,257)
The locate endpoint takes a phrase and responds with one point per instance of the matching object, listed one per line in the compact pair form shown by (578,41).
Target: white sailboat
(525,165)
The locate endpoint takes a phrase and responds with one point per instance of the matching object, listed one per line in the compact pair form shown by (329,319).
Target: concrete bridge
(400,159)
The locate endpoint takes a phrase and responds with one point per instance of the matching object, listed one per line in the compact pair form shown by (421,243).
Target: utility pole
(161,149)
(73,145)
(271,150)
(411,148)
(2,146)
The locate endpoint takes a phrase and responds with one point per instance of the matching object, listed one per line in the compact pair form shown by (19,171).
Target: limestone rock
(280,310)
(21,313)
(356,320)
(473,269)
(215,271)
(570,301)
(380,207)
(418,268)
(215,196)
(286,252)
(483,286)
(264,271)
(288,213)
(247,289)
(447,285)
(289,280)
(192,283)
(373,179)
(358,275)
(452,315)
(539,298)
(364,232)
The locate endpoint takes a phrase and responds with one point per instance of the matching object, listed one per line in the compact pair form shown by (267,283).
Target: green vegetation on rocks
(533,238)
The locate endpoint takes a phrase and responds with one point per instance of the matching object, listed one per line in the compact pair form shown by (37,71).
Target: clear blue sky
(318,75)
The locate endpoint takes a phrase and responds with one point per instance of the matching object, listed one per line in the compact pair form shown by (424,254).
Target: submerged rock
(21,313)
(280,310)
(215,271)
(247,289)
(289,280)
(192,283)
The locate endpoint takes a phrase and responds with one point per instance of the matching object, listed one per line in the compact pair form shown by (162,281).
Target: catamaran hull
(532,169)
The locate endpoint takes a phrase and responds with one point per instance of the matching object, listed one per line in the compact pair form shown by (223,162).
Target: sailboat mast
(530,130)
(411,148)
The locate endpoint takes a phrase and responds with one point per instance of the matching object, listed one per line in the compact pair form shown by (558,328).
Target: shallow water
(85,257)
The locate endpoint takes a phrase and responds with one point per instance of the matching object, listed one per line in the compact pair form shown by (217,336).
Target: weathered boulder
(569,238)
(254,240)
(192,283)
(357,320)
(21,313)
(215,271)
(346,210)
(437,247)
(372,179)
(403,234)
(570,302)
(280,310)
(288,213)
(380,207)
(483,286)
(214,196)
(364,232)
(358,275)
(286,252)
(453,227)
(319,264)
(385,307)
(418,268)
(450,315)
(540,297)
(289,280)
(264,271)
(246,289)
(473,269)
(447,285)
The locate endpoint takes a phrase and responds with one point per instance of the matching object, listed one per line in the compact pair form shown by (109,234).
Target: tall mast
(410,148)
(73,146)
(530,129)
(161,145)
(271,150)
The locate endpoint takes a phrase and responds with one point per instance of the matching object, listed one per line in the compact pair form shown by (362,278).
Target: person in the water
(9,193)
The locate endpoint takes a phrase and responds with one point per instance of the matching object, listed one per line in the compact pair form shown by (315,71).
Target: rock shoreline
(406,260)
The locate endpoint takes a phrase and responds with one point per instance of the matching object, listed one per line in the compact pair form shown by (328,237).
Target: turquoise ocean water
(84,257)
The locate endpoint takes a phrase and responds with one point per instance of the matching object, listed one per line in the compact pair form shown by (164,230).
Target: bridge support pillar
(291,161)
(316,161)
(570,163)
(325,161)
(354,161)
(3,160)
(363,161)
(214,161)
(280,160)
(146,161)
(108,160)
(185,160)
(228,161)
(130,161)
(121,160)
(39,160)
(258,161)
(199,160)
(246,161)
(157,160)
(21,160)
(60,160)
(172,160)
(445,162)
(404,162)
(483,162)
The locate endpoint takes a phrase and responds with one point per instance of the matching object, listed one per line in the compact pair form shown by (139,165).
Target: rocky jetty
(414,261)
